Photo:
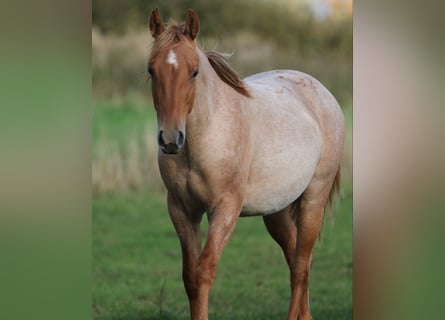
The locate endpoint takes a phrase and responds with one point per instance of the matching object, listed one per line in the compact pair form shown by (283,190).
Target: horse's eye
(194,74)
(151,72)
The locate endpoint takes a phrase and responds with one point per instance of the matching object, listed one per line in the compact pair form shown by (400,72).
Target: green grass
(137,266)
(121,123)
(124,148)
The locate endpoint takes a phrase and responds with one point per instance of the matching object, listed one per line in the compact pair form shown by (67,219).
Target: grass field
(137,266)
(137,257)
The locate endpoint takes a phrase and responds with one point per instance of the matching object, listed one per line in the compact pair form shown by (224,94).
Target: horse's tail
(335,188)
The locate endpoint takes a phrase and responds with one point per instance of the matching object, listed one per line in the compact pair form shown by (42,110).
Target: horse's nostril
(161,141)
(180,139)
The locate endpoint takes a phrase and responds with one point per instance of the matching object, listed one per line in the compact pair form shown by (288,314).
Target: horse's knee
(206,277)
(206,271)
(299,278)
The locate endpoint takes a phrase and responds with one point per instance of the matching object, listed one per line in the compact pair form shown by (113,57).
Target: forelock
(171,36)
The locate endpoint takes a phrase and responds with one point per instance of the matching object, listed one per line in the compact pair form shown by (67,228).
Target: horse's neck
(211,95)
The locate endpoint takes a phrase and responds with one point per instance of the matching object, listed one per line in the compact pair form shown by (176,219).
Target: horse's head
(173,67)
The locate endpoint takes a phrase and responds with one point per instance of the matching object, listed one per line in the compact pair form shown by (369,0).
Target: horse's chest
(186,184)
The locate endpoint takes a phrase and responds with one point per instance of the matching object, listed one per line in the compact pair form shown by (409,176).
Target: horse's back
(290,115)
(301,86)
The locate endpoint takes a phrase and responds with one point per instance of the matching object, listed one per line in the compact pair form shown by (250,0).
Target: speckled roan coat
(270,145)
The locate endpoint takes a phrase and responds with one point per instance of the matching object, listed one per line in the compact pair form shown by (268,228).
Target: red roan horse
(267,145)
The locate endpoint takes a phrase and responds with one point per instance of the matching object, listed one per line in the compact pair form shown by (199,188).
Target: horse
(267,145)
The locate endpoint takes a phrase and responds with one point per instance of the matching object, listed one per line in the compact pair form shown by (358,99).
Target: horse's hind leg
(309,221)
(281,226)
(283,229)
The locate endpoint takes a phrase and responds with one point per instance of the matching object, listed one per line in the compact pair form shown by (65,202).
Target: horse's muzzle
(171,147)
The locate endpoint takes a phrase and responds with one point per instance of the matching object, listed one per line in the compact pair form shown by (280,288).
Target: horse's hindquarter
(286,137)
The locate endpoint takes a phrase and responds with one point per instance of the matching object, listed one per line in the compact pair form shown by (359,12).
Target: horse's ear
(156,25)
(191,27)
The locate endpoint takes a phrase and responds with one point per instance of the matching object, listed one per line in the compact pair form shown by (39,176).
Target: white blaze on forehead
(171,59)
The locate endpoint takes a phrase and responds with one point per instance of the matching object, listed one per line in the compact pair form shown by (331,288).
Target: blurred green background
(136,255)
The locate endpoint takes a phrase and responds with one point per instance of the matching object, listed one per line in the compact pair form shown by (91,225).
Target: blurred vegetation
(294,27)
(279,35)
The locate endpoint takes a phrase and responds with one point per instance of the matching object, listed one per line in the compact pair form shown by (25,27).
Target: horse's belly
(275,184)
(264,202)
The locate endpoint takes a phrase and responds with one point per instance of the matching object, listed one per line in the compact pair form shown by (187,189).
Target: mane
(225,72)
(173,34)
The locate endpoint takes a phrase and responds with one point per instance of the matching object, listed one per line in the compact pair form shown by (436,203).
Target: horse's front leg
(222,221)
(187,227)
